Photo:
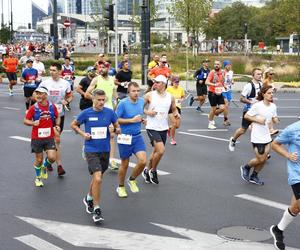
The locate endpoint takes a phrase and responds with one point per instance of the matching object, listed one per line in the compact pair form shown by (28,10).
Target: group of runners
(114,111)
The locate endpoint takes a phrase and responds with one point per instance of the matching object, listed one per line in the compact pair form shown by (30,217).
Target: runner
(227,92)
(10,65)
(96,134)
(157,106)
(201,88)
(83,86)
(215,83)
(290,137)
(260,114)
(60,94)
(178,93)
(39,66)
(130,111)
(68,72)
(248,96)
(42,116)
(123,78)
(106,83)
(154,63)
(23,59)
(29,77)
(125,59)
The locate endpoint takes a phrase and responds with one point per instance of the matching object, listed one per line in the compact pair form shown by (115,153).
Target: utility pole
(2,15)
(11,22)
(55,30)
(246,38)
(145,36)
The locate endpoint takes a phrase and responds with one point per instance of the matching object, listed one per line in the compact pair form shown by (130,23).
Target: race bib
(59,108)
(44,132)
(218,90)
(99,132)
(124,139)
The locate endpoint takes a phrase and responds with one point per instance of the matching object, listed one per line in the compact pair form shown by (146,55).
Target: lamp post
(246,38)
(11,22)
(55,31)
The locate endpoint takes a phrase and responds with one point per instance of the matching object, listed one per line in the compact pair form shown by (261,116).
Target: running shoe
(89,205)
(44,173)
(245,172)
(38,182)
(198,109)
(121,191)
(60,170)
(226,123)
(211,126)
(11,93)
(113,166)
(191,101)
(153,177)
(255,180)
(231,144)
(278,237)
(173,142)
(133,186)
(97,216)
(146,175)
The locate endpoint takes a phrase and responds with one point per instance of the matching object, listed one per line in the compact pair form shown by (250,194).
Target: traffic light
(108,16)
(245,28)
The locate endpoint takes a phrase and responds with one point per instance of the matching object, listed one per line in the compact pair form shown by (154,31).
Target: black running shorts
(201,89)
(245,123)
(260,147)
(28,91)
(40,145)
(97,161)
(215,100)
(157,136)
(11,76)
(296,190)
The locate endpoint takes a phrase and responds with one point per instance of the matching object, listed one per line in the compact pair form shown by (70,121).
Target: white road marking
(286,116)
(11,108)
(132,165)
(68,130)
(21,138)
(262,201)
(36,242)
(208,130)
(100,237)
(205,136)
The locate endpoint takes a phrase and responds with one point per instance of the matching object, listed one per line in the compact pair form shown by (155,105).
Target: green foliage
(4,34)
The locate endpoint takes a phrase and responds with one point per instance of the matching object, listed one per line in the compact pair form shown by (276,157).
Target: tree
(192,15)
(4,34)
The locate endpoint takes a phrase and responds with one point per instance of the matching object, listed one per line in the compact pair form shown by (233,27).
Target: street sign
(67,23)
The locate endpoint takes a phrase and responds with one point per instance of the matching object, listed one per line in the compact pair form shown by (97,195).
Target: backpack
(253,90)
(37,112)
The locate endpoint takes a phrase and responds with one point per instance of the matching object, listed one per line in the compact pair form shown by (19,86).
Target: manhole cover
(244,233)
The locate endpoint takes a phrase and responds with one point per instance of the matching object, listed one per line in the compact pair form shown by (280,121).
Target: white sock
(96,207)
(286,219)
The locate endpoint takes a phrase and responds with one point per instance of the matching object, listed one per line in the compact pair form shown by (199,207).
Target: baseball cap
(161,78)
(29,61)
(42,89)
(90,68)
(226,62)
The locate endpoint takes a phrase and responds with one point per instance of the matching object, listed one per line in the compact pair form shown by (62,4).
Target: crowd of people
(113,112)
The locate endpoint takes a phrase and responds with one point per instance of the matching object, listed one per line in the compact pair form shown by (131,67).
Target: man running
(29,78)
(23,59)
(68,72)
(122,79)
(39,66)
(130,116)
(157,106)
(10,66)
(290,137)
(96,134)
(201,88)
(260,114)
(215,83)
(60,94)
(42,116)
(248,97)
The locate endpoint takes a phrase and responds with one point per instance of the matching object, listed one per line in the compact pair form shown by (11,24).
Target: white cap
(161,78)
(42,90)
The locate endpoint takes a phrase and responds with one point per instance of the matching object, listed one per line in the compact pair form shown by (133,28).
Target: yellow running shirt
(107,85)
(178,94)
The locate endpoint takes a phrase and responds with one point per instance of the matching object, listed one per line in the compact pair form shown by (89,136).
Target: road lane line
(11,108)
(21,138)
(132,165)
(205,136)
(262,201)
(208,130)
(36,242)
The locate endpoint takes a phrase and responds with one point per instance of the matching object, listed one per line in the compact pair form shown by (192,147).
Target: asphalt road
(199,193)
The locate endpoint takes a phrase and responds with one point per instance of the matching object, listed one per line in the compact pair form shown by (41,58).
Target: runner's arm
(174,108)
(88,93)
(75,126)
(280,149)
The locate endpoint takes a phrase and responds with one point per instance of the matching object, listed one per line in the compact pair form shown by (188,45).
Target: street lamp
(246,37)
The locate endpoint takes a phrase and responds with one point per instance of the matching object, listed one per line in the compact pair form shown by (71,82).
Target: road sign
(67,23)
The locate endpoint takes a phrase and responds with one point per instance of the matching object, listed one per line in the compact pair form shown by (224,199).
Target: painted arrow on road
(99,237)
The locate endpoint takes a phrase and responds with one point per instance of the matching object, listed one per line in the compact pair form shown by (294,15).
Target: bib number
(124,139)
(44,132)
(99,132)
(218,90)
